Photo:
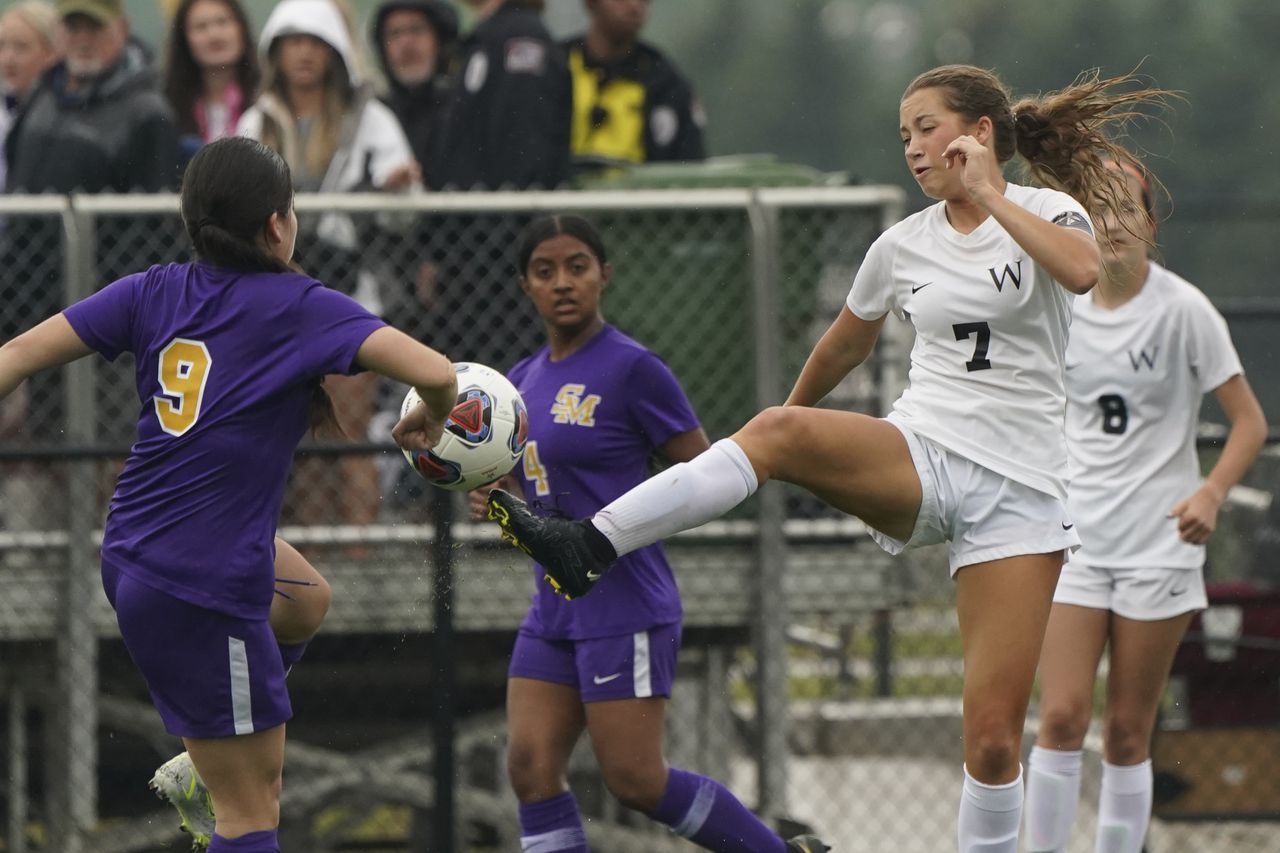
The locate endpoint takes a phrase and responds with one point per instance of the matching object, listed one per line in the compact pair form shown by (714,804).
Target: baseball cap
(102,11)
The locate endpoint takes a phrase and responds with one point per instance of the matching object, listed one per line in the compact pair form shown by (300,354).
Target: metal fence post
(445,681)
(77,685)
(769,619)
(17,767)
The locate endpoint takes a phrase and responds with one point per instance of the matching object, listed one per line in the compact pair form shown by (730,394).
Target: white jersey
(991,328)
(1135,376)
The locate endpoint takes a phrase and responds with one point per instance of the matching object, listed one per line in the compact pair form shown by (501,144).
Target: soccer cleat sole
(162,789)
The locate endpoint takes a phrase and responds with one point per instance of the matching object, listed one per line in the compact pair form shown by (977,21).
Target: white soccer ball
(484,437)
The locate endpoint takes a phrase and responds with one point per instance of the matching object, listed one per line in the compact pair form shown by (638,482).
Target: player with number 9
(231,351)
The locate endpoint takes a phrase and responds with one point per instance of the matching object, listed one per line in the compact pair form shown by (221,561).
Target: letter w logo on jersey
(1142,357)
(571,407)
(1009,273)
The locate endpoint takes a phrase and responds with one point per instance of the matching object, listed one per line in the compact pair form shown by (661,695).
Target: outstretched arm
(844,346)
(396,355)
(49,344)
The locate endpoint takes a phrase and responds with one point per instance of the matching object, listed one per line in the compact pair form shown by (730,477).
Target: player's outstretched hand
(1198,515)
(418,430)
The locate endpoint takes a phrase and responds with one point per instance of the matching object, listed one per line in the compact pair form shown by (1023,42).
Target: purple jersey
(226,366)
(595,419)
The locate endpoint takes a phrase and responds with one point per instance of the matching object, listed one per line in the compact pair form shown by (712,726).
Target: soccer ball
(484,437)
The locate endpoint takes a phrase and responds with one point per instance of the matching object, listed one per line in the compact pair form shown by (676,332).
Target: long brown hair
(1061,135)
(339,94)
(183,77)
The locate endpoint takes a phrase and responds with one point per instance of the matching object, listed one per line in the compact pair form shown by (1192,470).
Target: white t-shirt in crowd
(1135,375)
(991,325)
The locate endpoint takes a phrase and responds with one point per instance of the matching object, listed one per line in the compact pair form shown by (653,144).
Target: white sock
(1053,792)
(681,497)
(1124,809)
(989,816)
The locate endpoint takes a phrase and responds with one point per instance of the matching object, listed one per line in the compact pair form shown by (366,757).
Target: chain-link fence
(818,678)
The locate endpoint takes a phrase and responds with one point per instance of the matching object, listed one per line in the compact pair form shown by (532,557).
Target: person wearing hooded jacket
(316,112)
(414,41)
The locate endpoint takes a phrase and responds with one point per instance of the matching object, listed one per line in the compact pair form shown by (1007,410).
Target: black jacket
(117,135)
(605,132)
(510,114)
(422,110)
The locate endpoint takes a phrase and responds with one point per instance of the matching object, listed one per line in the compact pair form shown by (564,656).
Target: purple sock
(290,653)
(703,811)
(255,842)
(552,825)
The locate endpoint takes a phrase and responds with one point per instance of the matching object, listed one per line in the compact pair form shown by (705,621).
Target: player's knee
(637,786)
(1063,724)
(992,748)
(765,433)
(1126,739)
(322,597)
(534,776)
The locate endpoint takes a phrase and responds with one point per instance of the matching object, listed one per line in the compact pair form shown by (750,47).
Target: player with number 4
(601,406)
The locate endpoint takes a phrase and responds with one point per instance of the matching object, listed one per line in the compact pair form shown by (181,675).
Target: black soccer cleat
(573,554)
(807,844)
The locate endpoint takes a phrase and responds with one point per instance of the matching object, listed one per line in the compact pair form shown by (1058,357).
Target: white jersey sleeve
(1211,353)
(872,295)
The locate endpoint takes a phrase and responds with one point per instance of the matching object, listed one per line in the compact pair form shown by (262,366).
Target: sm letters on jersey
(571,407)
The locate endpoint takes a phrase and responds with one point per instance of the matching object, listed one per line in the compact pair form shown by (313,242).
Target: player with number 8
(1145,346)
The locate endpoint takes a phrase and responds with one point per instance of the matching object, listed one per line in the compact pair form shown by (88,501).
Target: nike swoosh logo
(1067,526)
(1174,592)
(915,289)
(1071,366)
(598,680)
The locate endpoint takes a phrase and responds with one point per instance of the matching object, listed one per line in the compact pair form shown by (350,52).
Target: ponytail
(213,243)
(230,190)
(1062,136)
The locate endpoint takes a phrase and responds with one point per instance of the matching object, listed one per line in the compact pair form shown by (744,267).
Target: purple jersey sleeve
(105,320)
(332,326)
(657,403)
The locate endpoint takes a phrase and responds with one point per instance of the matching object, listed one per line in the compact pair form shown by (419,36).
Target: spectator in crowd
(336,137)
(510,116)
(98,122)
(30,42)
(630,104)
(211,73)
(414,39)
